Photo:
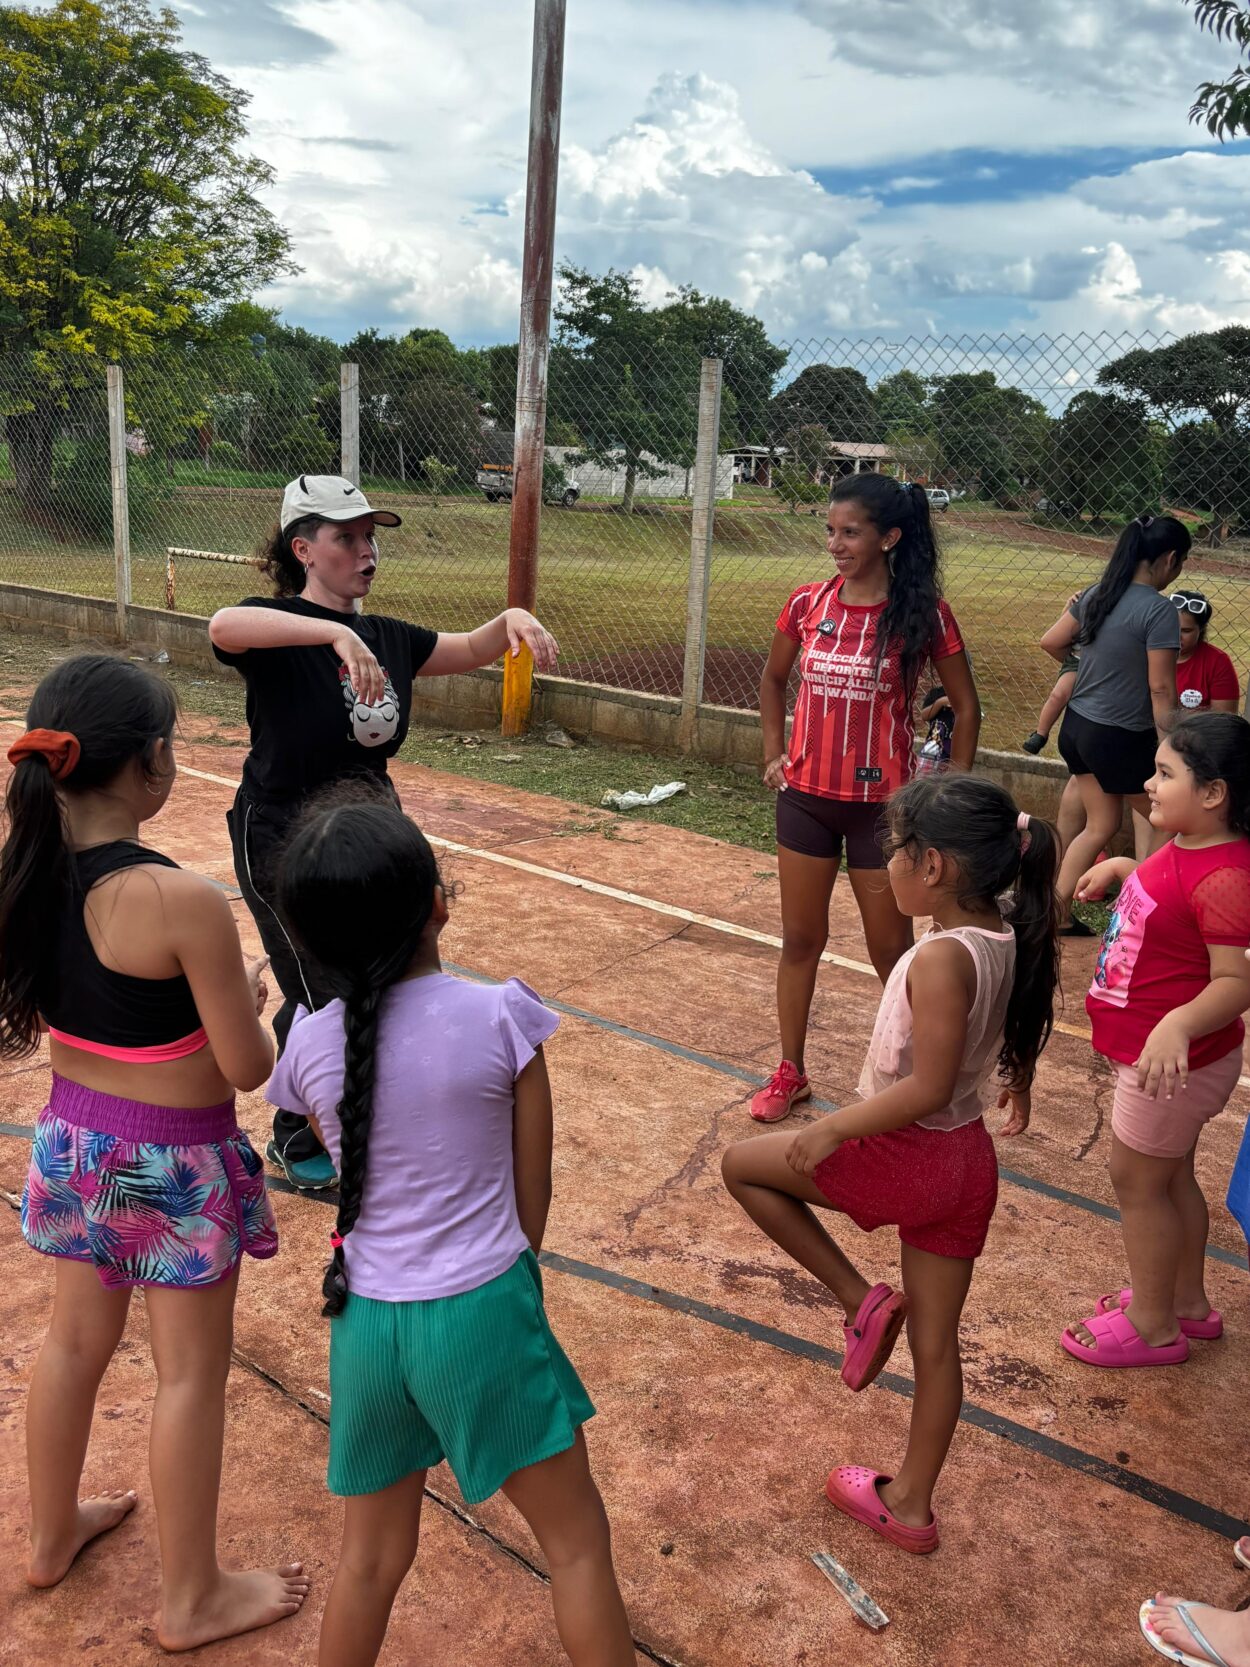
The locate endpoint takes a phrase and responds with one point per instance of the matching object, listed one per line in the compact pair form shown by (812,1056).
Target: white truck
(495,480)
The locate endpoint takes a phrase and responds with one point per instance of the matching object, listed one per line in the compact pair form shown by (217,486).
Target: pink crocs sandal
(1119,1344)
(854,1491)
(1205,1331)
(870,1339)
(785,1088)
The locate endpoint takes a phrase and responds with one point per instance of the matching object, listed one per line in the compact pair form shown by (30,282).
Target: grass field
(613,588)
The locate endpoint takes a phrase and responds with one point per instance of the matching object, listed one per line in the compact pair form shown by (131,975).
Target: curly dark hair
(276,559)
(911,620)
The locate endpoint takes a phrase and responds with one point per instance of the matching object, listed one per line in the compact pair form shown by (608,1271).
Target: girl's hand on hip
(364,672)
(1021,1103)
(257,985)
(1164,1061)
(522,627)
(775,772)
(812,1146)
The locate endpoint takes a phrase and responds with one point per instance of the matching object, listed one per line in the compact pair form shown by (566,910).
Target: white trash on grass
(631,801)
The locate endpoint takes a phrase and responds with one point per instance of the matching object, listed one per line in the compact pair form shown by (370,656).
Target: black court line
(1164,1498)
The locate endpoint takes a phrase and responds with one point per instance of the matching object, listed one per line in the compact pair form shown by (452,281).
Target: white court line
(671,910)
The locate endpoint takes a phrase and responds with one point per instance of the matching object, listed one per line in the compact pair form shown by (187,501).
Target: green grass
(616,585)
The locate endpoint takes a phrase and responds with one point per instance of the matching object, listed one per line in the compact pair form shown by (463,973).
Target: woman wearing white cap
(329,693)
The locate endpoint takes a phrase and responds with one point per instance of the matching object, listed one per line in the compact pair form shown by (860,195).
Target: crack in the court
(619,961)
(1100,1080)
(690,1171)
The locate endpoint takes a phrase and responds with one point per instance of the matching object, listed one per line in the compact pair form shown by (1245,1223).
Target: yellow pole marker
(518,690)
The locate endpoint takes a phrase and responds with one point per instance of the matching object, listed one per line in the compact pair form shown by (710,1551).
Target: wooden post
(349,422)
(546,81)
(702,527)
(121,501)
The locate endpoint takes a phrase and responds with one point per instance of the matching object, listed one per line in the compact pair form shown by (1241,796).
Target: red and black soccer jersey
(853,728)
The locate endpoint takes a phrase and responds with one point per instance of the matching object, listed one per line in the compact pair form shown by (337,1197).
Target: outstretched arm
(460,651)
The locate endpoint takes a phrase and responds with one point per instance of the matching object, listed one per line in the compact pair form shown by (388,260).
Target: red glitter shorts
(937,1186)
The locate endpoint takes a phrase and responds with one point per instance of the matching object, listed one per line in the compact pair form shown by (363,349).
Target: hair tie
(57,747)
(1144,521)
(336,1239)
(1022,826)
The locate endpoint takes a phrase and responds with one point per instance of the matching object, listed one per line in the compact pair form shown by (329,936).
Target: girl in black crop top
(139,1174)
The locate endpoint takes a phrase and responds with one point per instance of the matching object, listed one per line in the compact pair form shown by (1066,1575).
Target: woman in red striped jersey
(862,638)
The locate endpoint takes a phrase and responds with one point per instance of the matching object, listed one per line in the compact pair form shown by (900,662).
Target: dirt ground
(1070,1493)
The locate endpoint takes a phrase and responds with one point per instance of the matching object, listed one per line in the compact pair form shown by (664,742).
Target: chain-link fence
(1035,453)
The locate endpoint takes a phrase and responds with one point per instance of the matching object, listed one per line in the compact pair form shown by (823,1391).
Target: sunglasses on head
(1192,604)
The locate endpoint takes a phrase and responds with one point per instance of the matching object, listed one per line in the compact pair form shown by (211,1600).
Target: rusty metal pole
(531,375)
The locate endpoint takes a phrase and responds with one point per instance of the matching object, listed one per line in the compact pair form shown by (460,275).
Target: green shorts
(477,1379)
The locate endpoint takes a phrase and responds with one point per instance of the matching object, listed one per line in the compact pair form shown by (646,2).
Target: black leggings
(257,835)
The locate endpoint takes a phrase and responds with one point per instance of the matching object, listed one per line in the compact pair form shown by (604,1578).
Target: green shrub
(224,455)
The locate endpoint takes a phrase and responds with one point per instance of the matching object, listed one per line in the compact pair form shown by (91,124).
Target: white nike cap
(334,498)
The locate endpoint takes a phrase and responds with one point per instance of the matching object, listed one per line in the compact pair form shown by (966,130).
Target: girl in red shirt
(1206,679)
(1169,989)
(862,638)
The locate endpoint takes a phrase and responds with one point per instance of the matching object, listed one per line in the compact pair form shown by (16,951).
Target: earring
(154,791)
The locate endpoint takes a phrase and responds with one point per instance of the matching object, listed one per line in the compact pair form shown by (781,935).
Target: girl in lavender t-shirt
(431,1096)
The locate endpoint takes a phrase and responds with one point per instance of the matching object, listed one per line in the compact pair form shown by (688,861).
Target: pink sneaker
(779,1093)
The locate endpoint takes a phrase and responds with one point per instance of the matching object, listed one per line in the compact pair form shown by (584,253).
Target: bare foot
(1227,1632)
(238,1603)
(51,1563)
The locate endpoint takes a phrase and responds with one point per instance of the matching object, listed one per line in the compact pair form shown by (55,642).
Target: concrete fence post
(349,422)
(121,501)
(702,527)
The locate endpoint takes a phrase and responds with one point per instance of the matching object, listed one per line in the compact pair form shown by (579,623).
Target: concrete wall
(725,734)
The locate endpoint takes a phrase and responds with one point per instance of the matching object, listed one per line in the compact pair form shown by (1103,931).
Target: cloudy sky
(876,168)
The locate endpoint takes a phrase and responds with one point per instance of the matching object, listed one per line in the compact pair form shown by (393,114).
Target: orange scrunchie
(57,746)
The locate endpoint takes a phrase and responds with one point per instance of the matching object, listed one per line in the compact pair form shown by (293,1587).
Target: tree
(1105,457)
(129,211)
(1206,375)
(992,438)
(902,403)
(836,397)
(798,477)
(1223,107)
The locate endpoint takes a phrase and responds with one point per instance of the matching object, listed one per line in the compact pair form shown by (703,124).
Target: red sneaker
(786,1086)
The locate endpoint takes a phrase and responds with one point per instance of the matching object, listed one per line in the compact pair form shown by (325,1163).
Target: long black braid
(356,889)
(910,620)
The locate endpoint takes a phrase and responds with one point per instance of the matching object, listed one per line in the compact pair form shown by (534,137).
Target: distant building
(753,465)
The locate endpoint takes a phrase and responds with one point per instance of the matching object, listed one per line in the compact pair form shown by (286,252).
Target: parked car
(495,480)
(939,498)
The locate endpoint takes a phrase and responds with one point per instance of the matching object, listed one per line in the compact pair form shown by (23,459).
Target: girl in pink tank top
(972,1000)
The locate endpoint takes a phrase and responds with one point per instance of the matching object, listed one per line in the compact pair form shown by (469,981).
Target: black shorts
(814,826)
(1120,760)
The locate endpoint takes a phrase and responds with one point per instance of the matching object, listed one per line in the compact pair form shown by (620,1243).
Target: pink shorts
(937,1186)
(1163,1128)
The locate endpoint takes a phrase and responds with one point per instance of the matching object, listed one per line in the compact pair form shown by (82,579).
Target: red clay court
(1070,1494)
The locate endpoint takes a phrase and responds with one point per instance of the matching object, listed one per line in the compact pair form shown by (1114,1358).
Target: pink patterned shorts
(151,1195)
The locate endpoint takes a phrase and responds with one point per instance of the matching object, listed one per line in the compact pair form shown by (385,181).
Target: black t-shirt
(306,725)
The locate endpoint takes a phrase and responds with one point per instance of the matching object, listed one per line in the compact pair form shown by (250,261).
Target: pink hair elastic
(336,1239)
(1022,823)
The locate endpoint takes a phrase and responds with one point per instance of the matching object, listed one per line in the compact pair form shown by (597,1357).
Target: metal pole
(702,526)
(121,500)
(547,74)
(349,422)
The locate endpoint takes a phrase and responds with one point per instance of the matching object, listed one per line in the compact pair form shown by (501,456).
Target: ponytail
(97,714)
(1146,539)
(998,850)
(910,620)
(1032,917)
(355,1113)
(356,889)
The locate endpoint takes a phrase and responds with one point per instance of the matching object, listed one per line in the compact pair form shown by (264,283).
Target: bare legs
(87,1324)
(1103,814)
(560,1502)
(806,890)
(191,1337)
(1056,702)
(192,1332)
(780,1203)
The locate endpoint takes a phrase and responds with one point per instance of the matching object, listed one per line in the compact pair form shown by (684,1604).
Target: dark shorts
(1071,662)
(937,1186)
(1120,760)
(817,827)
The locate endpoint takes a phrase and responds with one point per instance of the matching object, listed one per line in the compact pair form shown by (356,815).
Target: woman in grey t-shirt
(1125,690)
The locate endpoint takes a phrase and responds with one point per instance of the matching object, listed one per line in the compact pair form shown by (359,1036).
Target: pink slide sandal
(1119,1344)
(870,1340)
(854,1491)
(1204,1331)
